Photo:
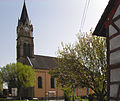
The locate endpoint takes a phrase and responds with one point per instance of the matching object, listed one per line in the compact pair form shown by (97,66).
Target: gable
(109,12)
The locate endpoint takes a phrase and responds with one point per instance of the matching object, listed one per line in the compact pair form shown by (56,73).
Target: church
(45,85)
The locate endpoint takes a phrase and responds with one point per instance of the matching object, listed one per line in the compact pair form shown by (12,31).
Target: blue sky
(54,21)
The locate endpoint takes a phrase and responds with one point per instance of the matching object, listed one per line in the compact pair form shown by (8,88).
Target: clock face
(26,29)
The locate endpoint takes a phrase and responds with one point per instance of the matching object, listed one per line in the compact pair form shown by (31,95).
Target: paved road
(28,100)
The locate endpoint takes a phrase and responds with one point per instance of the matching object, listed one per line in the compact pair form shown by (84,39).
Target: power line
(84,14)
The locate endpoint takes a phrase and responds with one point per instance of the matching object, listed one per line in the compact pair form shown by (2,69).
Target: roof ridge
(45,56)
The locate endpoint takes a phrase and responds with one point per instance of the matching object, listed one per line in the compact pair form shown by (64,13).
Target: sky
(54,21)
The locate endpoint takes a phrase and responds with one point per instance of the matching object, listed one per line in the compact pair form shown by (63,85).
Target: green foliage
(26,75)
(67,93)
(83,64)
(18,75)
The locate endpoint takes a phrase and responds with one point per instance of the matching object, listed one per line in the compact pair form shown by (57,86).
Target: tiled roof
(43,62)
(100,30)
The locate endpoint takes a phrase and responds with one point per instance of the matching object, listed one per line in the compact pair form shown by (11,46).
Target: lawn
(85,100)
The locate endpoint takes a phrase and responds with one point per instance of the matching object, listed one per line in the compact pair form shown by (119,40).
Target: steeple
(24,15)
(25,44)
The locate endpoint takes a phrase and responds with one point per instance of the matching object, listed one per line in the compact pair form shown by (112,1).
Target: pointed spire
(24,14)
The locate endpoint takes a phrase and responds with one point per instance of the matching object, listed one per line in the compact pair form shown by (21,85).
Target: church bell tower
(25,45)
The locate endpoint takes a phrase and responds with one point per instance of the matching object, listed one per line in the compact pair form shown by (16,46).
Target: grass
(85,100)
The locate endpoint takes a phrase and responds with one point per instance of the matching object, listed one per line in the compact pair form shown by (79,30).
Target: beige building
(45,86)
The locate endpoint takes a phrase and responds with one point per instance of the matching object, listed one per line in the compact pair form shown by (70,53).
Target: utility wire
(84,15)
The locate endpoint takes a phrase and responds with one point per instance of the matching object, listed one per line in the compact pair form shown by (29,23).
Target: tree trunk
(19,93)
(101,97)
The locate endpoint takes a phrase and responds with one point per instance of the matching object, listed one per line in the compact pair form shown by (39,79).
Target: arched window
(25,50)
(18,52)
(52,80)
(39,82)
(29,50)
